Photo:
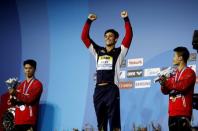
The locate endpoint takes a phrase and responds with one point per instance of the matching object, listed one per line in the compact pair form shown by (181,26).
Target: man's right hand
(92,17)
(124,14)
(162,80)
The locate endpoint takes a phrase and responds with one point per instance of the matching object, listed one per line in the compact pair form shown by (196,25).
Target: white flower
(12,82)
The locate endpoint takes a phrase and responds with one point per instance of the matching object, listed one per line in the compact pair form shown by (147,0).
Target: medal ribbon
(25,90)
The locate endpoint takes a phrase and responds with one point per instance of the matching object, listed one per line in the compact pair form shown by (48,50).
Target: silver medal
(22,108)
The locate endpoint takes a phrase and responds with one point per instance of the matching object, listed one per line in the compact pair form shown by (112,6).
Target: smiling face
(110,39)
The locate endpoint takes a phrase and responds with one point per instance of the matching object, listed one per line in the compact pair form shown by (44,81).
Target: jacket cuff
(89,21)
(126,19)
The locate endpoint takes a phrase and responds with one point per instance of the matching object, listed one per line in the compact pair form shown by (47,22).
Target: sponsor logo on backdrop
(122,74)
(123,63)
(143,84)
(135,62)
(134,73)
(197,80)
(193,67)
(125,84)
(151,72)
(193,57)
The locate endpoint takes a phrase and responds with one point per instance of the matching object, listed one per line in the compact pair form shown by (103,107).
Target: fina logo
(151,72)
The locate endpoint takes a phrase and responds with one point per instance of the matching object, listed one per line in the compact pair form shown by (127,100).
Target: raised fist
(92,17)
(124,14)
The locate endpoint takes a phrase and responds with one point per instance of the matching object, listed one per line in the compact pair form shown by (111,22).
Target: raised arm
(85,32)
(126,42)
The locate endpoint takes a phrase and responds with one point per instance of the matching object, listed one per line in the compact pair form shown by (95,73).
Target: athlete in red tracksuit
(180,88)
(108,59)
(3,107)
(28,95)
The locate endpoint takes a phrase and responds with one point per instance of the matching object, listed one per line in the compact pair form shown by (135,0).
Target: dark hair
(183,51)
(30,62)
(112,31)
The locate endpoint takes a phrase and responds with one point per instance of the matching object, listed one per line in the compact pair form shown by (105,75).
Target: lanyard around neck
(25,90)
(178,77)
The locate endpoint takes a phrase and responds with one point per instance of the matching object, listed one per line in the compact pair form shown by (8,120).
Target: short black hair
(30,62)
(112,31)
(183,51)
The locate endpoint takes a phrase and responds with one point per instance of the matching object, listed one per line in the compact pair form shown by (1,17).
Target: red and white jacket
(108,63)
(182,84)
(28,93)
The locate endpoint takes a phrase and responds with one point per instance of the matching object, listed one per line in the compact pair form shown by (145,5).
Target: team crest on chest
(102,51)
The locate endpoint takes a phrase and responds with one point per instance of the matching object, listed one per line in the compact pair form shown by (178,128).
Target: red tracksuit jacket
(29,94)
(3,106)
(182,82)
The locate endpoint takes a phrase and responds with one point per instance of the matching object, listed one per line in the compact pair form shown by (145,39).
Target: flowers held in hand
(12,82)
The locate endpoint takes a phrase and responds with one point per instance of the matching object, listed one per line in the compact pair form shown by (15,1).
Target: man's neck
(29,78)
(181,66)
(109,48)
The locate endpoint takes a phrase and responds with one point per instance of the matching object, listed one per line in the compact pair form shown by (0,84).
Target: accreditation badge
(22,107)
(105,62)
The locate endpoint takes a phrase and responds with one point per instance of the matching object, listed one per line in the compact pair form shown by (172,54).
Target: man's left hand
(11,91)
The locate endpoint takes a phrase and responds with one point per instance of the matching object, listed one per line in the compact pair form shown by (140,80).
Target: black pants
(107,106)
(24,127)
(179,123)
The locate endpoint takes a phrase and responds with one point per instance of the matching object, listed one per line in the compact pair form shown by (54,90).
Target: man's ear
(116,39)
(180,58)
